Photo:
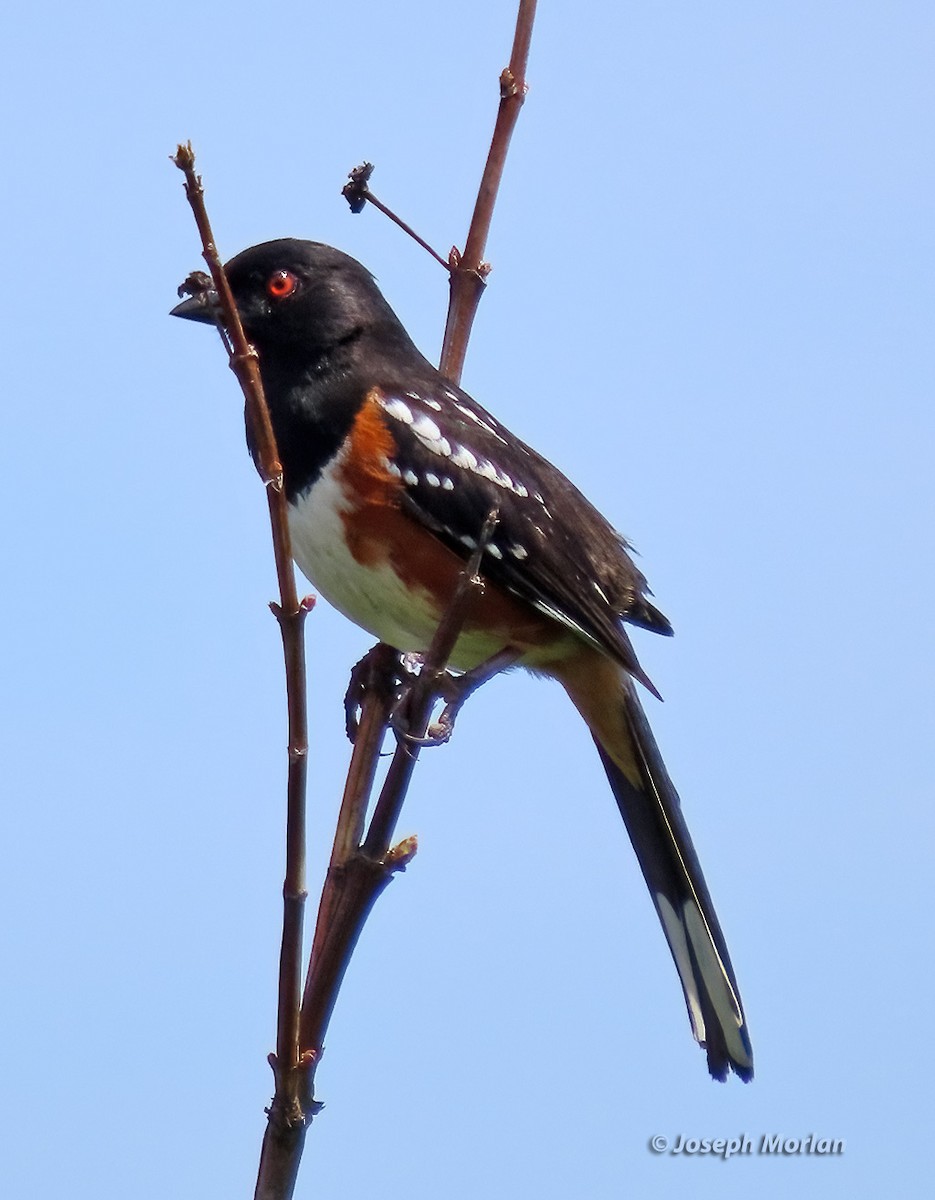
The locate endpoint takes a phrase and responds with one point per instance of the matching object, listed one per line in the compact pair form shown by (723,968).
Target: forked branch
(467,270)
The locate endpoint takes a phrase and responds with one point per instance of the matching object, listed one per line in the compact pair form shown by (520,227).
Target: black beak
(202,307)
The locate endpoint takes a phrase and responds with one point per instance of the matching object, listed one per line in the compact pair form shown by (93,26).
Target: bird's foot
(382,668)
(454,690)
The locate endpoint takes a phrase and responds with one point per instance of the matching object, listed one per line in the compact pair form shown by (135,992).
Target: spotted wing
(551,547)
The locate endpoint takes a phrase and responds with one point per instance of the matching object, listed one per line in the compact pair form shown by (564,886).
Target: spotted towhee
(390,472)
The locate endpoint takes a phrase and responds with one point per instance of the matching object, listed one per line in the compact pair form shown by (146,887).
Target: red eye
(281,284)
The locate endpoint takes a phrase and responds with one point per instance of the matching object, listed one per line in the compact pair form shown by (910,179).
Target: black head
(303,297)
(325,336)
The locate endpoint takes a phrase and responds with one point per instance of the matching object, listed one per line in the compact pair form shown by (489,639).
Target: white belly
(371,596)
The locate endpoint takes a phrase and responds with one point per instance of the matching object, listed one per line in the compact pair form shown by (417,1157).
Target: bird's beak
(202,307)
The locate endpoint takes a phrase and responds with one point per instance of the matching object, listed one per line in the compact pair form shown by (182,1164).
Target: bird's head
(297,293)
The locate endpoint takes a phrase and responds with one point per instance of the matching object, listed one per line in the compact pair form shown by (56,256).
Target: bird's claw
(454,690)
(381,667)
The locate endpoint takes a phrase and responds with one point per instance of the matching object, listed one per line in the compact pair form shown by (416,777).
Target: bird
(391,471)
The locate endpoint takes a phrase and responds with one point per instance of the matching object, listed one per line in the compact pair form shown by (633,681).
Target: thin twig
(355,881)
(379,668)
(357,193)
(422,697)
(469,271)
(288,1065)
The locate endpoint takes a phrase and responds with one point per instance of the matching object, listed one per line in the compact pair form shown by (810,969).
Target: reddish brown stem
(287,1110)
(356,877)
(357,193)
(350,886)
(294,894)
(469,271)
(424,691)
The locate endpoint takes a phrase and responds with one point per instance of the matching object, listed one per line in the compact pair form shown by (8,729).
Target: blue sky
(711,305)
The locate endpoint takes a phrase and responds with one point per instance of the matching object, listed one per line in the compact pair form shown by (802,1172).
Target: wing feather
(551,548)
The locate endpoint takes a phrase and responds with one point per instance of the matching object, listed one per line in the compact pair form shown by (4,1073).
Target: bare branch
(469,271)
(289,1068)
(422,696)
(357,192)
(356,877)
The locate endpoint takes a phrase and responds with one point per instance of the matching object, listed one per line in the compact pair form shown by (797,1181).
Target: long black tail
(649,805)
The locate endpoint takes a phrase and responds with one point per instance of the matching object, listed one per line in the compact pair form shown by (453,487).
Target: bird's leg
(381,667)
(454,690)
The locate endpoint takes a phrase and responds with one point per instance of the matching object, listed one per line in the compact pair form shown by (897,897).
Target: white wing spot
(518,552)
(411,478)
(425,429)
(430,435)
(413,395)
(472,416)
(487,470)
(462,457)
(495,551)
(500,478)
(396,408)
(465,540)
(448,485)
(538,496)
(432,479)
(430,403)
(600,591)
(392,469)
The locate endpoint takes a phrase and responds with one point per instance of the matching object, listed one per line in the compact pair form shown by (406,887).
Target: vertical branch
(290,614)
(388,806)
(288,1086)
(360,871)
(469,270)
(340,916)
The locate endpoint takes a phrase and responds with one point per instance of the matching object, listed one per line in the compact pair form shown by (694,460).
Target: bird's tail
(606,697)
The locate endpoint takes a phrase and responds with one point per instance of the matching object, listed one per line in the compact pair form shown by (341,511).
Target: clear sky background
(712,307)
